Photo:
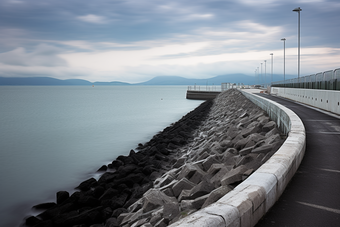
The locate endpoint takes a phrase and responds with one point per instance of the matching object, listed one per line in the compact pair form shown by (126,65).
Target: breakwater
(188,166)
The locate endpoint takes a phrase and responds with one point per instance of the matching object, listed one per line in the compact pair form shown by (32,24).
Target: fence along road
(312,198)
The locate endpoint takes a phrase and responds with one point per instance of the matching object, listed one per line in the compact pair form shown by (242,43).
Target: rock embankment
(188,166)
(123,181)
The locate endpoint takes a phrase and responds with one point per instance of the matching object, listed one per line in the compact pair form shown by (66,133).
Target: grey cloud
(132,20)
(42,55)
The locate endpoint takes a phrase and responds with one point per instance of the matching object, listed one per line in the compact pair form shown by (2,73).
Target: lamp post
(284,60)
(271,70)
(255,77)
(298,9)
(261,73)
(265,72)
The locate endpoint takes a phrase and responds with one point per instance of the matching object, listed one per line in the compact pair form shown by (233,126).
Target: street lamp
(255,76)
(284,61)
(272,69)
(265,72)
(298,9)
(261,73)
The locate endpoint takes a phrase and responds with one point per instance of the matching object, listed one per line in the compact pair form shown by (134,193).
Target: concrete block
(209,161)
(216,179)
(216,195)
(187,171)
(198,202)
(186,205)
(160,182)
(234,175)
(198,176)
(155,198)
(185,194)
(182,185)
(203,188)
(200,218)
(170,211)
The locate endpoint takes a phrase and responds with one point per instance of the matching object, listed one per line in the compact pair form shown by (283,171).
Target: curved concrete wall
(250,200)
(324,99)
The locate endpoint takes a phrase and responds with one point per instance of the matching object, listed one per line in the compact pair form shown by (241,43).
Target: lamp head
(271,53)
(283,39)
(298,9)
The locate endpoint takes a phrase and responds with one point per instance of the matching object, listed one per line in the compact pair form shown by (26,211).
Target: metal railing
(204,88)
(328,80)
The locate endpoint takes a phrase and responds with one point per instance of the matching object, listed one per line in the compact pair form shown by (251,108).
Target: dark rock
(125,159)
(107,178)
(109,194)
(86,185)
(117,163)
(106,213)
(62,196)
(112,222)
(32,221)
(118,211)
(102,169)
(131,179)
(98,191)
(47,223)
(44,206)
(55,211)
(127,169)
(119,201)
(172,146)
(88,217)
(88,201)
(147,170)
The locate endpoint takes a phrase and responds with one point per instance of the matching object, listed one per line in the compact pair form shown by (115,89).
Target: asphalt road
(312,198)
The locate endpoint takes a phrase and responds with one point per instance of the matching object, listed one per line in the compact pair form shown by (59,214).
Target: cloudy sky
(136,40)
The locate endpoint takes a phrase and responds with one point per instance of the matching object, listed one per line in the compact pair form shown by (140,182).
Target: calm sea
(53,137)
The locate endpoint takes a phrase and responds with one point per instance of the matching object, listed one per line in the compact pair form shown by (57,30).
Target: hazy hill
(40,81)
(176,80)
(217,80)
(48,81)
(159,80)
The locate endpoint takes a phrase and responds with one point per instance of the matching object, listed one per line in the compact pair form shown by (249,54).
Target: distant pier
(206,92)
(202,95)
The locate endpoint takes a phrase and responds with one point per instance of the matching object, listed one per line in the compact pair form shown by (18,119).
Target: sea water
(54,137)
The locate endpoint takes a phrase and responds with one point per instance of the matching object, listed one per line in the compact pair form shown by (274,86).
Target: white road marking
(331,170)
(321,207)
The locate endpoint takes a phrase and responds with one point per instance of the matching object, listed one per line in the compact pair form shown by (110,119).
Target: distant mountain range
(159,80)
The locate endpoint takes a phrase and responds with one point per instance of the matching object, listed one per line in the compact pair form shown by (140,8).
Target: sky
(135,40)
